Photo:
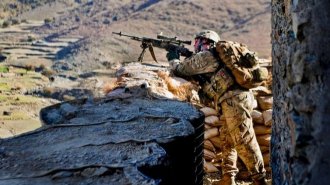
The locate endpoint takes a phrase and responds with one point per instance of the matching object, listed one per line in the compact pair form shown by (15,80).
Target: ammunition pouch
(218,84)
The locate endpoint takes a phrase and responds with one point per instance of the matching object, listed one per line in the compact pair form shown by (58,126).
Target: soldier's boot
(261,181)
(227,180)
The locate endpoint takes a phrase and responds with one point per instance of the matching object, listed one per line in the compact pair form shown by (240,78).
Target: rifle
(164,42)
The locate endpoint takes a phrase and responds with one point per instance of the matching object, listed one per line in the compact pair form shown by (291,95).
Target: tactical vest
(216,85)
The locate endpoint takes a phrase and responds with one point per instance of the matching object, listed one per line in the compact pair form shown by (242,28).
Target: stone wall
(301,76)
(136,135)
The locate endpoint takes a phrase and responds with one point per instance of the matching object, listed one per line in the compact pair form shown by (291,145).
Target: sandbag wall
(262,120)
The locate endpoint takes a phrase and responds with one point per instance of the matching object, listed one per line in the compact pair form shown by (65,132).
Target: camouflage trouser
(238,137)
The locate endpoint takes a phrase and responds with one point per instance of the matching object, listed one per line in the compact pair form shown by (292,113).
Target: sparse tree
(5,24)
(47,20)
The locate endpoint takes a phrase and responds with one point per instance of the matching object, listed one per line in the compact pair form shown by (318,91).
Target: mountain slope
(243,21)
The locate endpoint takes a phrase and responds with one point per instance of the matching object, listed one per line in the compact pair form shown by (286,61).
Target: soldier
(236,105)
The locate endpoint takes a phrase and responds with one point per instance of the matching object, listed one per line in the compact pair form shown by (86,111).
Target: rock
(68,97)
(136,139)
(100,171)
(106,21)
(53,117)
(62,174)
(88,172)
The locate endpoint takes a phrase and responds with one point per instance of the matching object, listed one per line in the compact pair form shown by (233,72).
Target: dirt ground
(19,112)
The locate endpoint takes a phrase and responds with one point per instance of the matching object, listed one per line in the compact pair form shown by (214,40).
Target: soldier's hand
(260,74)
(172,54)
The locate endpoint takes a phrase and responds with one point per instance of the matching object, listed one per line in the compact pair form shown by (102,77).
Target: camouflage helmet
(208,34)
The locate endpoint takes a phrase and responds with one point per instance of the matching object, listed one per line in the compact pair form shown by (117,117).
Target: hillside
(241,21)
(95,20)
(9,8)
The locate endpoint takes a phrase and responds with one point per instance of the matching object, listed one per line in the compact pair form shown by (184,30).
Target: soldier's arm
(199,63)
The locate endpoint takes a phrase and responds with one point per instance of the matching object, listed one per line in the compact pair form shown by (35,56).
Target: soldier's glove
(260,74)
(172,54)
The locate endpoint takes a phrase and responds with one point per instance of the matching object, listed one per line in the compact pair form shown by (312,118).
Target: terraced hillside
(94,20)
(21,43)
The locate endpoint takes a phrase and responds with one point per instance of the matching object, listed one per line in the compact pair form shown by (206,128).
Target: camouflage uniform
(236,104)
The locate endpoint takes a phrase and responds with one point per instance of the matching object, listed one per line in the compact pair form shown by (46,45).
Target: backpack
(243,63)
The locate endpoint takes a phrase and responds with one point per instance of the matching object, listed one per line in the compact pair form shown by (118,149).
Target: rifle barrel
(121,34)
(130,36)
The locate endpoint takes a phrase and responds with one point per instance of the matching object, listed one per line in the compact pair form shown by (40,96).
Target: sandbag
(211,133)
(268,169)
(212,120)
(206,126)
(267,115)
(257,117)
(264,140)
(265,102)
(209,111)
(264,149)
(208,145)
(218,159)
(261,91)
(209,167)
(254,104)
(216,142)
(209,155)
(266,158)
(261,129)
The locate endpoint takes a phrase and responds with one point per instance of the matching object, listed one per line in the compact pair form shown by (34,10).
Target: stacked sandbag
(212,152)
(262,120)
